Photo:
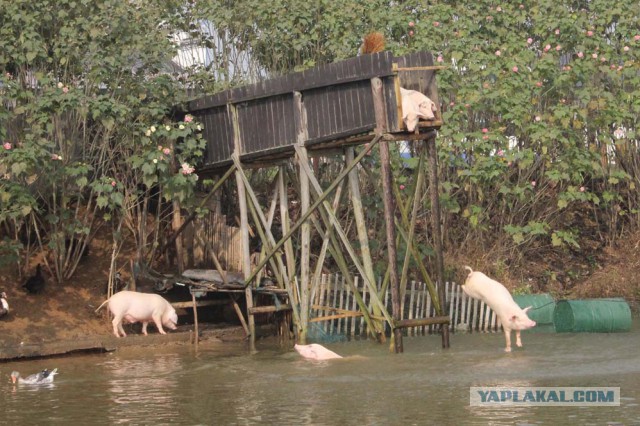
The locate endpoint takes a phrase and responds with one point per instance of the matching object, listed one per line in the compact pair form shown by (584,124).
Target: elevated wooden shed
(260,121)
(334,106)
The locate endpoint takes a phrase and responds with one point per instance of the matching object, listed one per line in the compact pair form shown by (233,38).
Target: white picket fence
(334,299)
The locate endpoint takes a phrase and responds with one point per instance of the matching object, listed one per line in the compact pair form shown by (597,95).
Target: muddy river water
(225,384)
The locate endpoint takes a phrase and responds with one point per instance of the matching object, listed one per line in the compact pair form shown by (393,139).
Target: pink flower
(485,130)
(500,153)
(589,33)
(626,48)
(65,89)
(533,183)
(537,118)
(489,18)
(113,183)
(411,23)
(603,59)
(186,169)
(160,148)
(166,151)
(521,6)
(558,48)
(436,24)
(557,32)
(594,55)
(498,53)
(467,105)
(538,83)
(401,187)
(547,47)
(411,33)
(485,137)
(514,69)
(636,37)
(439,58)
(7,146)
(452,103)
(529,40)
(613,67)
(619,67)
(56,157)
(580,54)
(188,118)
(582,189)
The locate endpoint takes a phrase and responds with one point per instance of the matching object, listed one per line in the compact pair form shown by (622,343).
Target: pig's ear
(527,309)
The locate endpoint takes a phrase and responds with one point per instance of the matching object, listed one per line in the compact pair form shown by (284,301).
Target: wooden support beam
(343,236)
(418,322)
(194,306)
(313,207)
(268,309)
(437,232)
(424,68)
(266,235)
(244,225)
(389,208)
(199,304)
(300,116)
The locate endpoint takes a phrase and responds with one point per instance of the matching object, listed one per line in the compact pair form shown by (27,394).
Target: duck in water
(45,376)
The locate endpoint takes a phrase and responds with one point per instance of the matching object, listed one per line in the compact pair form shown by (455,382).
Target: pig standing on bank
(479,286)
(315,351)
(140,307)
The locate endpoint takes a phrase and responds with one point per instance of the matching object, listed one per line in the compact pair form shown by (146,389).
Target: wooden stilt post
(356,203)
(389,209)
(305,230)
(244,230)
(437,233)
(195,320)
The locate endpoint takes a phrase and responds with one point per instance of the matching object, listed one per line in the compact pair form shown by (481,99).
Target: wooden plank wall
(337,99)
(334,298)
(225,240)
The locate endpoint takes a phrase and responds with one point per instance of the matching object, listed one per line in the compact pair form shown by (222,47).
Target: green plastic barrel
(542,306)
(592,315)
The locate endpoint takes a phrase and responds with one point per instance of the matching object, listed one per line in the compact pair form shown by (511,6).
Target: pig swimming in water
(479,286)
(315,351)
(140,307)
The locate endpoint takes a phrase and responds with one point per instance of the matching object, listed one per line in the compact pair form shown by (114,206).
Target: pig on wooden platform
(479,286)
(140,307)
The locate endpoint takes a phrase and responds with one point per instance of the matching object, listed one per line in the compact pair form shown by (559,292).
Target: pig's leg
(518,341)
(144,327)
(117,326)
(157,319)
(507,337)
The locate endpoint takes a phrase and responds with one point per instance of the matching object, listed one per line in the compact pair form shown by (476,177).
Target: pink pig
(479,286)
(315,351)
(144,307)
(415,106)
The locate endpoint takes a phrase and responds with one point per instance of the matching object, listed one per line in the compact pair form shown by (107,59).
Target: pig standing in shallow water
(315,351)
(144,307)
(494,294)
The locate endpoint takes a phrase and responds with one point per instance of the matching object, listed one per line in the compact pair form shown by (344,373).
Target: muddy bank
(107,343)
